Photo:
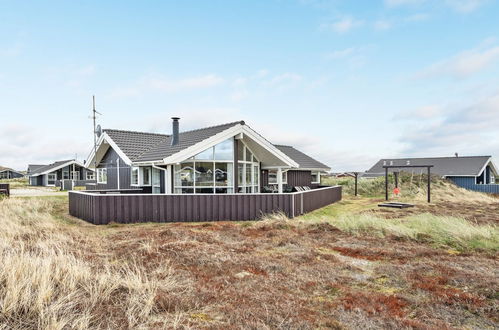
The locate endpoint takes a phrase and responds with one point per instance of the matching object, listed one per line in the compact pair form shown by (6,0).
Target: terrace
(103,207)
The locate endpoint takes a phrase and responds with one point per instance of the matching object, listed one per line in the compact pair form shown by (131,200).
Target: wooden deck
(98,208)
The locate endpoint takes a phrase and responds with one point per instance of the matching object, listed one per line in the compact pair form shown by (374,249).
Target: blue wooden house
(476,173)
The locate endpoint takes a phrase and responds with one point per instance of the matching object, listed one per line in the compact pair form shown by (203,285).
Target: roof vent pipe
(175,129)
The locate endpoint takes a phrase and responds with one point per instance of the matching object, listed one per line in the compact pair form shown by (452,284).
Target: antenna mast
(94,116)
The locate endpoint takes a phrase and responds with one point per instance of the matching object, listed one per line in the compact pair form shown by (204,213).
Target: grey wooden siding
(130,208)
(5,189)
(110,161)
(295,178)
(468,182)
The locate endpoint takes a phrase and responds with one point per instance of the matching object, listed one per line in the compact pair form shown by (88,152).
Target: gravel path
(36,191)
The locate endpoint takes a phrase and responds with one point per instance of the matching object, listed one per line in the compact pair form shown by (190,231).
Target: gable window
(316,177)
(90,175)
(135,176)
(210,171)
(248,170)
(102,175)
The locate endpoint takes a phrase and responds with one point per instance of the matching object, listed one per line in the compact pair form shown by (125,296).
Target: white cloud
(425,112)
(283,80)
(467,129)
(340,53)
(395,3)
(419,17)
(463,64)
(343,25)
(382,25)
(465,6)
(239,95)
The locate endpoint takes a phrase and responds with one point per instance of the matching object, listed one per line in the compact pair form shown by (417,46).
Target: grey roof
(143,147)
(47,168)
(303,160)
(32,168)
(444,166)
(134,144)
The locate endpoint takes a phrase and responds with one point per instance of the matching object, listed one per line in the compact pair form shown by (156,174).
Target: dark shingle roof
(47,168)
(444,166)
(303,160)
(32,168)
(143,147)
(134,144)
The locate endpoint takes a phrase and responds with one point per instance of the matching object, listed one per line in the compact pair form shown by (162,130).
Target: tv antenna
(97,131)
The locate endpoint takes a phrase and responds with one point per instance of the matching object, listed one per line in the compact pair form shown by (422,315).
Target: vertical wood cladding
(122,208)
(110,161)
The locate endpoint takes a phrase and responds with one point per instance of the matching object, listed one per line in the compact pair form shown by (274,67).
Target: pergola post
(356,182)
(386,183)
(279,180)
(429,185)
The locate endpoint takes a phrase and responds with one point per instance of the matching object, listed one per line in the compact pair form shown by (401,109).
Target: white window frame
(318,177)
(284,177)
(90,175)
(230,188)
(55,178)
(141,176)
(135,169)
(77,175)
(100,172)
(65,175)
(255,187)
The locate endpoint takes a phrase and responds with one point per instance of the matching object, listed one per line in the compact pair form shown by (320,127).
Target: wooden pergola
(428,167)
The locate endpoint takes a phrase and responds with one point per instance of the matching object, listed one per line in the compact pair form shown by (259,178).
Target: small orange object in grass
(396,191)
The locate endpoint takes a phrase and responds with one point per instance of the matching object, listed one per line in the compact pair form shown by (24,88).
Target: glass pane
(240,150)
(184,174)
(205,155)
(248,155)
(146,172)
(223,174)
(255,175)
(240,174)
(225,150)
(204,173)
(204,190)
(221,190)
(248,190)
(272,177)
(156,177)
(248,174)
(187,191)
(135,176)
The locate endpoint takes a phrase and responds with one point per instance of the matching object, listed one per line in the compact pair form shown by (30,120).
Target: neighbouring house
(228,158)
(476,173)
(8,173)
(224,172)
(53,174)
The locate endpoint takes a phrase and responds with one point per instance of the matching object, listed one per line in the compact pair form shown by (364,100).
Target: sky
(347,82)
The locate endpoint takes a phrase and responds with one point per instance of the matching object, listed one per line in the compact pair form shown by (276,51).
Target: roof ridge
(284,145)
(128,131)
(438,157)
(213,126)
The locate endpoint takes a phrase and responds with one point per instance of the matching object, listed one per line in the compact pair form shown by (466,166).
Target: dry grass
(51,277)
(58,272)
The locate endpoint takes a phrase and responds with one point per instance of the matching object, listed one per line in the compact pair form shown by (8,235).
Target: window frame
(133,169)
(92,174)
(318,173)
(100,172)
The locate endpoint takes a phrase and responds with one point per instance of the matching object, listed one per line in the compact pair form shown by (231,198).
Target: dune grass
(440,231)
(53,278)
(16,183)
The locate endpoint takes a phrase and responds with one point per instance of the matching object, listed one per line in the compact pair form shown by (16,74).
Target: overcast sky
(348,82)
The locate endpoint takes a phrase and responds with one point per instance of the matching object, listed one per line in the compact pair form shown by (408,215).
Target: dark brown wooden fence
(4,189)
(131,208)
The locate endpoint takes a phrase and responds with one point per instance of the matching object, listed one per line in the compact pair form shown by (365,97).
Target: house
(223,159)
(8,173)
(471,172)
(52,174)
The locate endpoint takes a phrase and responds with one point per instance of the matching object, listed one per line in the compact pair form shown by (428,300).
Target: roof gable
(53,167)
(444,166)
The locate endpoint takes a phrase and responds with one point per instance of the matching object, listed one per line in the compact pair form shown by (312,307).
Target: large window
(51,178)
(135,176)
(75,175)
(102,175)
(248,170)
(156,181)
(65,175)
(141,176)
(208,172)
